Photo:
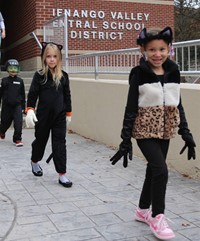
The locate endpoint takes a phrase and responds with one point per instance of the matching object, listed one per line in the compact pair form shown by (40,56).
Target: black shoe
(38,173)
(66,184)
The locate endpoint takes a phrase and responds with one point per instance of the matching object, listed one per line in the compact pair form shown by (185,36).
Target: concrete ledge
(98,109)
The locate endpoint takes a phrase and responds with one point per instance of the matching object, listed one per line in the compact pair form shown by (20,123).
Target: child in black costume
(12,93)
(152,115)
(50,87)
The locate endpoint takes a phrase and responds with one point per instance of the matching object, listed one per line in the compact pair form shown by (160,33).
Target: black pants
(9,114)
(155,183)
(57,128)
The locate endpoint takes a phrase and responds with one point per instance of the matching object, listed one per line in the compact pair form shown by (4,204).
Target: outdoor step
(22,74)
(27,77)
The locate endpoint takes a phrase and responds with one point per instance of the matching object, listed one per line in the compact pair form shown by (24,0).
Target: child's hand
(69,119)
(125,151)
(30,119)
(189,142)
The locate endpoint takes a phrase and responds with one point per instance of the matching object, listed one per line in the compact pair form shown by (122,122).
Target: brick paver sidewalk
(99,207)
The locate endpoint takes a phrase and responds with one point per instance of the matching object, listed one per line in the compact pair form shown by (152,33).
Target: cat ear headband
(165,34)
(44,44)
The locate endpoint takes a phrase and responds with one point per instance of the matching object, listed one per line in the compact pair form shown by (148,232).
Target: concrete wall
(98,109)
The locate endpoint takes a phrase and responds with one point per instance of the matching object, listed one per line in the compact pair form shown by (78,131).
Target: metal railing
(36,39)
(187,56)
(108,62)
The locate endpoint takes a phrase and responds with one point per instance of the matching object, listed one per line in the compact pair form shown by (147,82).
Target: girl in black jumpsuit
(51,91)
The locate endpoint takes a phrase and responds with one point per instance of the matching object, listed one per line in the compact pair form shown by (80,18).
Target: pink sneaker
(160,228)
(143,215)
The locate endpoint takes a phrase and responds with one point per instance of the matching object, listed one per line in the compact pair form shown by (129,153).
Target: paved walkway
(100,205)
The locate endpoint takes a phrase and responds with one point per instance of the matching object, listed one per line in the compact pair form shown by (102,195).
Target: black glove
(125,150)
(189,142)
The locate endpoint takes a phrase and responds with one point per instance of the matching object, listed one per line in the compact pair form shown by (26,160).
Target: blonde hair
(57,72)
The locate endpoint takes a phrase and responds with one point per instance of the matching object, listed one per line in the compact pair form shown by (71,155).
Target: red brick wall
(26,16)
(20,21)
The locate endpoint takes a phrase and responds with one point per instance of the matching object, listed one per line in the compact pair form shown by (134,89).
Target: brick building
(96,25)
